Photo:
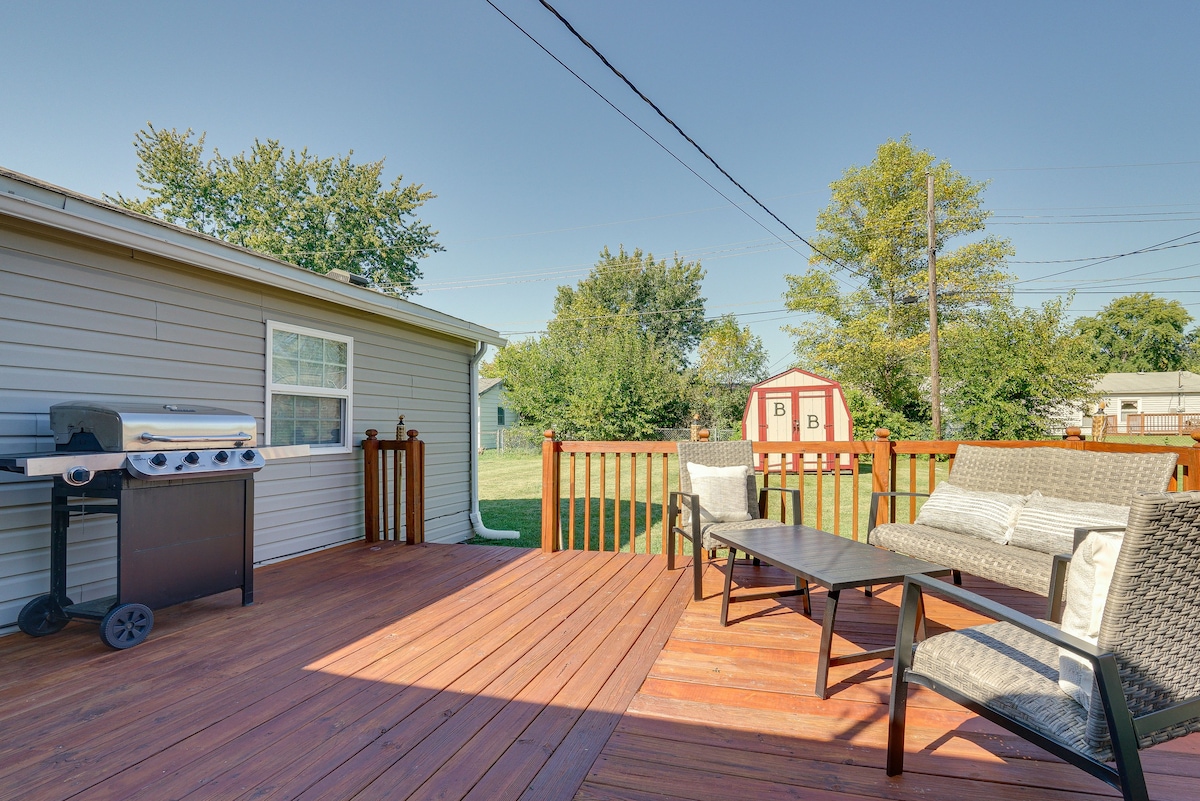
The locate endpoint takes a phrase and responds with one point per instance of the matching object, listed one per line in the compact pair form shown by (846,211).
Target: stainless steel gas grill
(180,481)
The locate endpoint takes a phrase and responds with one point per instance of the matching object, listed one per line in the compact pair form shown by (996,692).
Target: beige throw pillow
(722,492)
(1088,580)
(1048,524)
(989,515)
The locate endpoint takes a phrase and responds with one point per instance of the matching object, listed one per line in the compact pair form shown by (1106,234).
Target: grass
(1152,439)
(510,499)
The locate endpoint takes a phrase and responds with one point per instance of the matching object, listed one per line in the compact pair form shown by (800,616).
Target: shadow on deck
(460,671)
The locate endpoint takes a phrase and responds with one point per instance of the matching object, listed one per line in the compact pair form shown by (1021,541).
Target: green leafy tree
(1140,332)
(663,299)
(866,291)
(318,213)
(1011,373)
(595,376)
(731,359)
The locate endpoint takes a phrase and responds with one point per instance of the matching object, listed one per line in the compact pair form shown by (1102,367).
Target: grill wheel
(126,625)
(41,616)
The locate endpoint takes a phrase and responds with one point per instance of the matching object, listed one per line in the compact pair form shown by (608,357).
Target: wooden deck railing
(1169,424)
(613,495)
(390,493)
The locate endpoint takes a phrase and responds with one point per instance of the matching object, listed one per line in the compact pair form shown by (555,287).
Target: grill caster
(42,616)
(126,625)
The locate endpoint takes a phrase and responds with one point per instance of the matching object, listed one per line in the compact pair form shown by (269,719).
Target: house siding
(80,319)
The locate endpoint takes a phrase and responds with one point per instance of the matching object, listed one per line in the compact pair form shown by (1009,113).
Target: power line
(643,130)
(1108,259)
(680,131)
(1091,167)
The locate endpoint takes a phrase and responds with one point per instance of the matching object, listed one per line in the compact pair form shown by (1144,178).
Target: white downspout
(476,521)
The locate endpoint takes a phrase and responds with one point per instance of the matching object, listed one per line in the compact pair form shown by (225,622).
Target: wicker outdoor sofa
(1061,476)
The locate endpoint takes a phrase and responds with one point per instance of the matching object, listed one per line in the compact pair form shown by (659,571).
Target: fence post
(550,493)
(414,489)
(881,463)
(370,447)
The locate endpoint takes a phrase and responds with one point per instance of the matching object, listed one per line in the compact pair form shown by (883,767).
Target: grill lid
(117,427)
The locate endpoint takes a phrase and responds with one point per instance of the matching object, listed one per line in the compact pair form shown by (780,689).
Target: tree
(317,213)
(596,378)
(663,300)
(731,358)
(1013,373)
(871,331)
(1140,332)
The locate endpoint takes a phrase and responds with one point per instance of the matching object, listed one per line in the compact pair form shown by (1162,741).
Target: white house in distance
(495,417)
(1148,402)
(99,303)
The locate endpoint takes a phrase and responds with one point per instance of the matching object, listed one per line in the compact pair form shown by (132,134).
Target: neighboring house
(98,303)
(1131,395)
(494,417)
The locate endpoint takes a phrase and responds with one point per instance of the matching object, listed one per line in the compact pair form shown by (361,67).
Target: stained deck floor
(450,672)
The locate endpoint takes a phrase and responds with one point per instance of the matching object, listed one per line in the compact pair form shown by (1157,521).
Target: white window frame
(1123,413)
(347,444)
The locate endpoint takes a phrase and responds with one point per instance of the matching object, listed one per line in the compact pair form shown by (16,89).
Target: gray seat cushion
(1013,672)
(1016,567)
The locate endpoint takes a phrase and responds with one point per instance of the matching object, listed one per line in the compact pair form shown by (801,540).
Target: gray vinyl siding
(82,320)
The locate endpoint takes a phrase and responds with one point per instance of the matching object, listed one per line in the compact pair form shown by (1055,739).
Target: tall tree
(1140,332)
(593,376)
(867,289)
(1014,373)
(731,358)
(663,299)
(318,213)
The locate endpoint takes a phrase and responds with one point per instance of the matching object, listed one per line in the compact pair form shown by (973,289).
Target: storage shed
(798,406)
(495,416)
(99,303)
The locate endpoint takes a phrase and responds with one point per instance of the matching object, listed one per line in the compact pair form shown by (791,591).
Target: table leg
(802,588)
(831,602)
(728,586)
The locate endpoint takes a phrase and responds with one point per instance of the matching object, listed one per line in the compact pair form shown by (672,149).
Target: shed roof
(1171,383)
(487,383)
(30,200)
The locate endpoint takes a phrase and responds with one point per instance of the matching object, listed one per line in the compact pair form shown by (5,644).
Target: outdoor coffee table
(833,562)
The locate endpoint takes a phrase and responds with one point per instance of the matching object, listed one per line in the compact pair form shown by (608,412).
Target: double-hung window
(309,388)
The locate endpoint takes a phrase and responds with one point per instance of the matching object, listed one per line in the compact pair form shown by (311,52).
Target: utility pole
(935,390)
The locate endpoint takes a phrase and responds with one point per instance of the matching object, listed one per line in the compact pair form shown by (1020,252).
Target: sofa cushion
(1088,580)
(722,492)
(1048,524)
(989,515)
(1017,567)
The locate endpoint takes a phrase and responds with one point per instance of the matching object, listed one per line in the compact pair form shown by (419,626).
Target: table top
(833,562)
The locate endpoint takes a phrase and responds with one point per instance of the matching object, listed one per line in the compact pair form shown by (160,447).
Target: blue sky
(534,174)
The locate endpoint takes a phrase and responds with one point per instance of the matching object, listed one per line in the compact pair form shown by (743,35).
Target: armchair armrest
(788,491)
(873,515)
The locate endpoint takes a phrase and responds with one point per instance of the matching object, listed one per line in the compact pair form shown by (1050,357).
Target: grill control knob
(159,460)
(192,458)
(247,456)
(77,476)
(221,457)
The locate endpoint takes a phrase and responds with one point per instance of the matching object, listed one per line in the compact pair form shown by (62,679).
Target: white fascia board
(147,235)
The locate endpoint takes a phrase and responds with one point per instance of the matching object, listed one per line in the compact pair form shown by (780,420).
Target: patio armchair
(689,517)
(1144,662)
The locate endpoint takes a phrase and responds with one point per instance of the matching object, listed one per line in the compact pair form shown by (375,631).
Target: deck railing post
(414,489)
(551,491)
(1192,469)
(881,462)
(370,447)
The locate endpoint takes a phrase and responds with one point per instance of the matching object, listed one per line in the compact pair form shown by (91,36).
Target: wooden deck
(449,672)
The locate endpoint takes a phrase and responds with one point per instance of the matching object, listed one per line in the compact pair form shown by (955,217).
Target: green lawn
(510,498)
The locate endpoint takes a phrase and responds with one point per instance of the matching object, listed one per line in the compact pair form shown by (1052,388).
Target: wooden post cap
(412,433)
(882,433)
(371,433)
(704,434)
(1196,437)
(548,433)
(1074,434)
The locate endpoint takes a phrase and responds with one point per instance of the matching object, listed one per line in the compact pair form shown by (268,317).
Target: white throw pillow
(1088,580)
(722,492)
(989,515)
(1048,524)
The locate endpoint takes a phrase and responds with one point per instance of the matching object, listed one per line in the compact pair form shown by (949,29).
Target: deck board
(502,674)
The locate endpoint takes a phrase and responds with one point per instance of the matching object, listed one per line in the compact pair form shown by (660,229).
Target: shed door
(796,415)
